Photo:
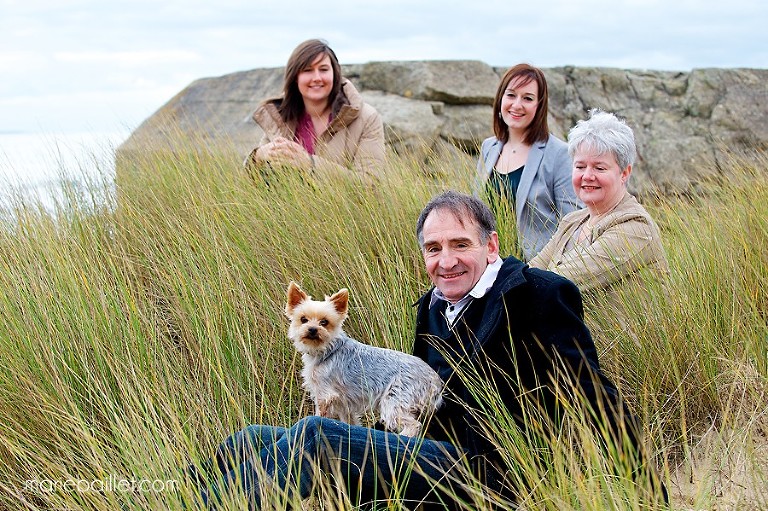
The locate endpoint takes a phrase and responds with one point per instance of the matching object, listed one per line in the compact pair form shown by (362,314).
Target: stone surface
(685,122)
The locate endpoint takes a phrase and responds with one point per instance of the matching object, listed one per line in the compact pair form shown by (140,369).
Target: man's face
(454,254)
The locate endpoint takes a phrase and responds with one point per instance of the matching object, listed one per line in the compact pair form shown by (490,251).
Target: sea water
(35,166)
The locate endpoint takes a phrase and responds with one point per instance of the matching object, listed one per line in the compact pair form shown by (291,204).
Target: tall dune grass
(142,325)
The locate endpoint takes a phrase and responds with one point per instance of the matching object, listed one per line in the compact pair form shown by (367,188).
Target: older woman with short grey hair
(614,237)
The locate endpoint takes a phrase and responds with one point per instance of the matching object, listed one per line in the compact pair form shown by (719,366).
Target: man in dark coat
(518,329)
(491,328)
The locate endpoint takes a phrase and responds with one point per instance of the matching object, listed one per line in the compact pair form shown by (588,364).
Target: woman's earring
(500,114)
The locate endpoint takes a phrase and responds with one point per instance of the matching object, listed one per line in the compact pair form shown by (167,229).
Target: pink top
(305,132)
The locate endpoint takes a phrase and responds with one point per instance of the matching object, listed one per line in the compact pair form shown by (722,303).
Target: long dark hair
(538,130)
(292,106)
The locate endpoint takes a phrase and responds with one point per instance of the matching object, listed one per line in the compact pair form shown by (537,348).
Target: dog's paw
(411,430)
(323,408)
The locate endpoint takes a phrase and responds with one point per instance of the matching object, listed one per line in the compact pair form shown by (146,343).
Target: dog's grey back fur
(376,379)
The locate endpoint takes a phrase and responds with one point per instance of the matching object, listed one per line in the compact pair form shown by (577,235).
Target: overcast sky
(104,66)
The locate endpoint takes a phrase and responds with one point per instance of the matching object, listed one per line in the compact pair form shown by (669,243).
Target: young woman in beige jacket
(320,123)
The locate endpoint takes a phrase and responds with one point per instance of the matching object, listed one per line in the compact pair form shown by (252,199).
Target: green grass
(142,326)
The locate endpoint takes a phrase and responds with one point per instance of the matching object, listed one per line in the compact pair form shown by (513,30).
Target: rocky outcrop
(684,121)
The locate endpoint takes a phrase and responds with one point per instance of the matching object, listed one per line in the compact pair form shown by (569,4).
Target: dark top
(517,337)
(505,185)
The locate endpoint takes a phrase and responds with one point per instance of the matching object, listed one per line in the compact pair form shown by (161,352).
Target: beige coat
(353,140)
(623,242)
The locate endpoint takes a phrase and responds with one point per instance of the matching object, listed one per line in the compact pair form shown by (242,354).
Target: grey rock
(466,125)
(686,123)
(455,82)
(409,124)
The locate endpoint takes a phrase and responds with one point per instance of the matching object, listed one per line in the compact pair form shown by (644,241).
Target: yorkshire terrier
(346,378)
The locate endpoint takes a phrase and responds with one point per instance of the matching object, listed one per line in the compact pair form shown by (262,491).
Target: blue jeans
(368,461)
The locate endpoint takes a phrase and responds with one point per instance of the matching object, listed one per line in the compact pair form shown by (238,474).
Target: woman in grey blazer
(525,164)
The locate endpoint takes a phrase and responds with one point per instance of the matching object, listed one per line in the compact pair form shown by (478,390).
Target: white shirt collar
(486,281)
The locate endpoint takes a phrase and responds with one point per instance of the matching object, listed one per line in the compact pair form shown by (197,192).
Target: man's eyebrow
(452,240)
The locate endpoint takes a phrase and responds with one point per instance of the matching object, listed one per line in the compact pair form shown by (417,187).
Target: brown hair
(538,130)
(292,106)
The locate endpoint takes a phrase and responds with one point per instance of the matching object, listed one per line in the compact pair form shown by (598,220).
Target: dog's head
(314,323)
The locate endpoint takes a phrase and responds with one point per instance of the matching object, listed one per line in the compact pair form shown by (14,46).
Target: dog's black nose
(312,332)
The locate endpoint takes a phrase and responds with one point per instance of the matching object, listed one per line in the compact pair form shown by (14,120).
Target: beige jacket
(353,140)
(623,242)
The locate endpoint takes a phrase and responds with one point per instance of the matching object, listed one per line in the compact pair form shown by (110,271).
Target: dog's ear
(340,301)
(295,297)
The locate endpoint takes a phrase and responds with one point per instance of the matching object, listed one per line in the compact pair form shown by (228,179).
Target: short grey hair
(462,206)
(604,133)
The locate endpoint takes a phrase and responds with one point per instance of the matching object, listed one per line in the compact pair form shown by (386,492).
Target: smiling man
(518,328)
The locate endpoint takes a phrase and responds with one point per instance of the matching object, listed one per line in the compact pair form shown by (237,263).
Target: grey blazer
(545,193)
